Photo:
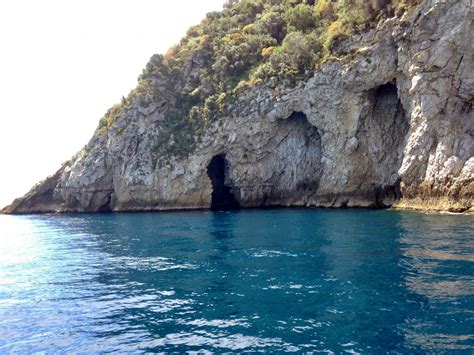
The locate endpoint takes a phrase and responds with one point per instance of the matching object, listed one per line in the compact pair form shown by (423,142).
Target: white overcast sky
(63,63)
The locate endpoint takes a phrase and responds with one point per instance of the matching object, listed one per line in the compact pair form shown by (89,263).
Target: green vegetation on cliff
(248,43)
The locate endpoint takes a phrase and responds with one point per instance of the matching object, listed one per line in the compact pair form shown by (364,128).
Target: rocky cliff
(389,124)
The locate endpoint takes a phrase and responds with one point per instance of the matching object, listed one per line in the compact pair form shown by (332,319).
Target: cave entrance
(223,199)
(296,115)
(382,135)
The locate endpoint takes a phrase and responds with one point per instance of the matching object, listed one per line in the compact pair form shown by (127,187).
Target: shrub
(336,31)
(273,24)
(302,18)
(325,10)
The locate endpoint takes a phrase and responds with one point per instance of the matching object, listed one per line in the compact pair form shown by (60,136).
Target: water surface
(269,280)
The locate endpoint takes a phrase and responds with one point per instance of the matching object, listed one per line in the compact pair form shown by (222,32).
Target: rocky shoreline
(390,125)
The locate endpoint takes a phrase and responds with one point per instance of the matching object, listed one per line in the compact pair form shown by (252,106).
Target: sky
(63,64)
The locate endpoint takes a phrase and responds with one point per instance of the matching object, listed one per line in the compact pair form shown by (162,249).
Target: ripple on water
(151,264)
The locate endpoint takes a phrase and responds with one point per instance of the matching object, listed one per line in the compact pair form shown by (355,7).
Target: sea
(276,280)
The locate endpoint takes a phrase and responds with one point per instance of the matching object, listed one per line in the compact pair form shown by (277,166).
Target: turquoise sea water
(256,280)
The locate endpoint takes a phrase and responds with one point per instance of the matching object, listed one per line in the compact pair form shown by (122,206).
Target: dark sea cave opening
(106,207)
(223,199)
(390,124)
(387,90)
(296,115)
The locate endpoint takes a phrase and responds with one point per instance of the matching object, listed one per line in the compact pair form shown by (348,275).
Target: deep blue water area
(254,280)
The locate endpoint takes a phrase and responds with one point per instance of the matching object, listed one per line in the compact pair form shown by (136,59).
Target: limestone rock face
(391,125)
